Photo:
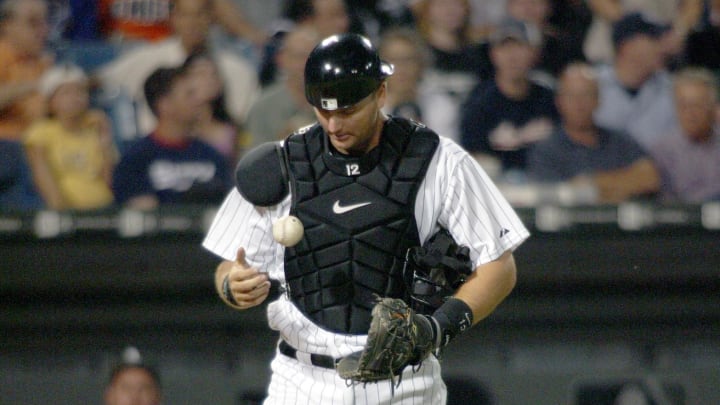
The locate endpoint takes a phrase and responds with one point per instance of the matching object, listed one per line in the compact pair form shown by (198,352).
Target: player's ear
(261,176)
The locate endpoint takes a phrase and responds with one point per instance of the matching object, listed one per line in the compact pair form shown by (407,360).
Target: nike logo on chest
(341,209)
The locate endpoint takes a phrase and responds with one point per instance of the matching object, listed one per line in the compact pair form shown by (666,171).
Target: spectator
(23,39)
(327,17)
(503,116)
(636,90)
(408,53)
(171,166)
(282,107)
(485,16)
(23,36)
(458,62)
(689,158)
(410,94)
(71,152)
(582,154)
(190,20)
(150,20)
(558,47)
(214,125)
(73,20)
(679,15)
(122,21)
(133,384)
(702,48)
(17,190)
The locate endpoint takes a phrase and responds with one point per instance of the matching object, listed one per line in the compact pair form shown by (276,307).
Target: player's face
(355,130)
(133,386)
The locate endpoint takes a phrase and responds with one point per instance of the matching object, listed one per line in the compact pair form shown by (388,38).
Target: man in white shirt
(191,21)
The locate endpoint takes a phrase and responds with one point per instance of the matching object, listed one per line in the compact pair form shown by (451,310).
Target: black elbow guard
(261,175)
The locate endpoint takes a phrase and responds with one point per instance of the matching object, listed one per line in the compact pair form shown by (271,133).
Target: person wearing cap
(502,117)
(681,16)
(71,151)
(636,89)
(367,187)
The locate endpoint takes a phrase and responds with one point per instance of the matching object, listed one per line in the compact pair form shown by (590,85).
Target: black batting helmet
(342,70)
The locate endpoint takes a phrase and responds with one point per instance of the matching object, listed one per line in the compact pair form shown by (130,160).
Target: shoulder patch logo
(504,232)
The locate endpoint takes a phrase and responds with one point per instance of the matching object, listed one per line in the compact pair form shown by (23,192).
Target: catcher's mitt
(397,337)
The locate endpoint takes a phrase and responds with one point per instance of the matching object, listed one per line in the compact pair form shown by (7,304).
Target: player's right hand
(249,287)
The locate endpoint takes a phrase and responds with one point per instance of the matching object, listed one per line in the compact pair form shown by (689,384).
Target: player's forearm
(488,286)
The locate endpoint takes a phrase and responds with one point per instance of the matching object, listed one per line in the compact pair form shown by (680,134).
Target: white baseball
(288,230)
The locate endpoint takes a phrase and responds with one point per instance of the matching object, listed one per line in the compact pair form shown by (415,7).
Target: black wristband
(227,293)
(453,317)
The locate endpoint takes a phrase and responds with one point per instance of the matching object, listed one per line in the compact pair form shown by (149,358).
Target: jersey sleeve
(237,224)
(473,209)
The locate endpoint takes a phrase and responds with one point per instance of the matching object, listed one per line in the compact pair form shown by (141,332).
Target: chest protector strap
(359,220)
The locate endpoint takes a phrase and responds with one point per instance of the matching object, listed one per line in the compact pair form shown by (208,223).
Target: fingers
(249,287)
(250,292)
(240,258)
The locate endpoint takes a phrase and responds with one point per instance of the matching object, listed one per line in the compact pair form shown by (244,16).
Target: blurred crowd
(140,103)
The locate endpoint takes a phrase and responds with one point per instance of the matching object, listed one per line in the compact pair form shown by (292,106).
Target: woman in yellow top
(71,151)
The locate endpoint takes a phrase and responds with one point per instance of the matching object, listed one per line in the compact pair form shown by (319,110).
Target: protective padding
(261,175)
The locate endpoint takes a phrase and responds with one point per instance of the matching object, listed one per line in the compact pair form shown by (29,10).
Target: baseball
(288,230)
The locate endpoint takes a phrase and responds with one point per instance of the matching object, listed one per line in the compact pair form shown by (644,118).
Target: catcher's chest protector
(359,222)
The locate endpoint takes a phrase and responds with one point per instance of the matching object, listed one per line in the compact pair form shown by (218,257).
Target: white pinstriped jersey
(455,194)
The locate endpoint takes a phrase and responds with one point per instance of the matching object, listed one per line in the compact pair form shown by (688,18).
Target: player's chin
(342,142)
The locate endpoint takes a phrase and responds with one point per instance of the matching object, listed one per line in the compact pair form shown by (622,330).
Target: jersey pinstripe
(456,194)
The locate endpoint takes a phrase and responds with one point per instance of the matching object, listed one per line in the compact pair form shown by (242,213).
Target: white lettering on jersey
(141,11)
(179,176)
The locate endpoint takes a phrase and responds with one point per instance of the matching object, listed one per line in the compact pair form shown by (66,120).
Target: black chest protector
(359,220)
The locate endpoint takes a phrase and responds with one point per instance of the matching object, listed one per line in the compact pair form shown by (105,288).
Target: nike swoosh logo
(339,209)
